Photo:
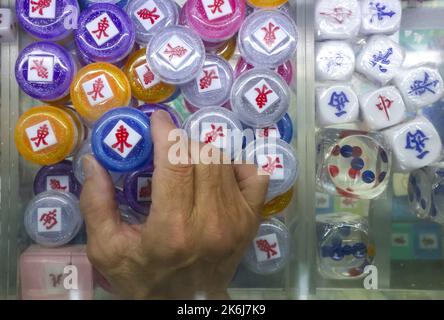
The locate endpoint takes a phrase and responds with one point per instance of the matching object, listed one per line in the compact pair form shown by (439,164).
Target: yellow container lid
(45,135)
(227,50)
(98,88)
(145,85)
(278,204)
(267,3)
(81,129)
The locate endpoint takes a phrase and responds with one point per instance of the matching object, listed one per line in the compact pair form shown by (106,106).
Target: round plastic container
(278,204)
(176,54)
(284,70)
(137,190)
(145,85)
(151,16)
(282,130)
(53,219)
(59,177)
(121,140)
(45,19)
(148,109)
(87,3)
(105,33)
(46,135)
(212,87)
(226,50)
(276,159)
(44,71)
(215,20)
(267,3)
(268,38)
(269,252)
(260,98)
(98,88)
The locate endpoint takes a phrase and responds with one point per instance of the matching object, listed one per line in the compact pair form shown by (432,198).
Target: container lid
(45,19)
(284,70)
(277,159)
(45,135)
(268,38)
(270,250)
(267,3)
(86,3)
(260,98)
(121,140)
(215,20)
(105,33)
(44,70)
(151,16)
(98,88)
(213,86)
(278,204)
(53,219)
(59,177)
(137,190)
(176,54)
(282,130)
(145,85)
(148,109)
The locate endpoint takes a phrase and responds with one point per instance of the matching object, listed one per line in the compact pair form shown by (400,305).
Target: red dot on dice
(334,171)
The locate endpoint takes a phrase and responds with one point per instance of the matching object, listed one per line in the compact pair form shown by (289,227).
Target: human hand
(202,219)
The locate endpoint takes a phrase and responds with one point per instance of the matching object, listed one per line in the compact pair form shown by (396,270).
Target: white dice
(8,30)
(337,19)
(415,144)
(380,59)
(336,105)
(380,16)
(382,108)
(420,86)
(335,60)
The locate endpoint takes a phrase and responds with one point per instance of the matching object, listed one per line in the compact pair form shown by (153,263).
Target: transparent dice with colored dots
(437,207)
(344,246)
(336,104)
(351,163)
(380,17)
(335,61)
(420,193)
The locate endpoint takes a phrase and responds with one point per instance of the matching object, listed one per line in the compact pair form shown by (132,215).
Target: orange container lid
(267,3)
(278,204)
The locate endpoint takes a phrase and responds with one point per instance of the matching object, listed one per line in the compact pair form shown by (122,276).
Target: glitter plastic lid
(176,54)
(278,204)
(260,98)
(282,130)
(270,250)
(45,135)
(145,85)
(121,140)
(148,109)
(215,20)
(137,190)
(87,3)
(53,219)
(97,88)
(212,87)
(267,3)
(45,19)
(284,70)
(151,16)
(59,177)
(268,38)
(44,71)
(105,33)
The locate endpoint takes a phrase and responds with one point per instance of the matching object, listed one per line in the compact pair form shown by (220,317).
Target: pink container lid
(215,20)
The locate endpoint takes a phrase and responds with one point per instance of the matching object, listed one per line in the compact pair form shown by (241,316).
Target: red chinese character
(272,165)
(148,76)
(97,89)
(42,133)
(56,185)
(270,34)
(216,6)
(42,72)
(265,133)
(350,202)
(102,26)
(145,191)
(56,279)
(122,137)
(214,134)
(339,14)
(177,51)
(40,5)
(49,219)
(265,246)
(146,14)
(384,104)
(206,81)
(261,99)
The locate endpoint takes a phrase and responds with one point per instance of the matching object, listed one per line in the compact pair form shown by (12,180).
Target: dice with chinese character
(336,104)
(335,60)
(380,16)
(8,29)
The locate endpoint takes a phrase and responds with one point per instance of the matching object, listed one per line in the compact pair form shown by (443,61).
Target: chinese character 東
(102,26)
(42,133)
(98,86)
(122,136)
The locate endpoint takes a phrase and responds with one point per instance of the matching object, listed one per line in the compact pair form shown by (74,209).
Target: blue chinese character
(338,101)
(336,61)
(416,141)
(379,11)
(337,251)
(382,58)
(419,87)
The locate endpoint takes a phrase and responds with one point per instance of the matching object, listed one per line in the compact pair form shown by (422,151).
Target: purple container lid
(137,190)
(285,70)
(44,70)
(148,109)
(57,177)
(105,33)
(45,19)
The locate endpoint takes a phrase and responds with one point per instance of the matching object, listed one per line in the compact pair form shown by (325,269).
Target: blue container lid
(148,109)
(121,140)
(284,130)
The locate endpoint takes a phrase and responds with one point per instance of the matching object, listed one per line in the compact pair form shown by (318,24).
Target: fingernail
(163,116)
(88,166)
